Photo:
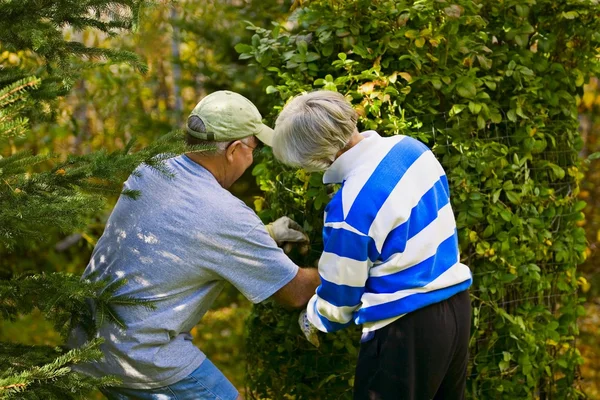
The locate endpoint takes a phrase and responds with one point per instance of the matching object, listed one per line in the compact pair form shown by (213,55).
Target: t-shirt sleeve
(256,266)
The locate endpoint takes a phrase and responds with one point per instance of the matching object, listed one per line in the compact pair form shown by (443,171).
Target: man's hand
(309,330)
(285,229)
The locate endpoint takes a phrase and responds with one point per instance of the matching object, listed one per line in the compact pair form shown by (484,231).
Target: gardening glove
(285,229)
(309,330)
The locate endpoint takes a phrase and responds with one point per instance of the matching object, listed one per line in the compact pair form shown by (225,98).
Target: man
(177,245)
(391,261)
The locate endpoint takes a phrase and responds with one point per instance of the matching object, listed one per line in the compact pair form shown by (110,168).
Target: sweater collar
(351,160)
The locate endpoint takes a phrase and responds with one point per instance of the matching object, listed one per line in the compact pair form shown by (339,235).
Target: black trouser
(421,356)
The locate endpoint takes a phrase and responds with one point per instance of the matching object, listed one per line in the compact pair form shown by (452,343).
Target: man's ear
(231,149)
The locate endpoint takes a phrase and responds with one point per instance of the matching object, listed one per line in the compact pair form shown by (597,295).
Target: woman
(391,260)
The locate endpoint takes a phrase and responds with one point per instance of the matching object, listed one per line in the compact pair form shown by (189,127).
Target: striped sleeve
(344,269)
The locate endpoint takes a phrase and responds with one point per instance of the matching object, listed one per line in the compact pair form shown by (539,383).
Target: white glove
(285,229)
(309,330)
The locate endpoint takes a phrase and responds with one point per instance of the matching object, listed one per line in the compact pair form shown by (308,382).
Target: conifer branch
(14,91)
(43,192)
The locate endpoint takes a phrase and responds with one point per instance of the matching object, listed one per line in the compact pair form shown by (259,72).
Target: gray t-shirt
(177,245)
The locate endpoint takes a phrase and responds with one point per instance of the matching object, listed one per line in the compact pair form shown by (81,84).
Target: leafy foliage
(492,88)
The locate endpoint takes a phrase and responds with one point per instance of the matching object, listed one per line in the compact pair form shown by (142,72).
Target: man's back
(176,246)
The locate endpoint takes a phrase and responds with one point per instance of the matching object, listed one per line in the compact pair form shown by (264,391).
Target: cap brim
(266,135)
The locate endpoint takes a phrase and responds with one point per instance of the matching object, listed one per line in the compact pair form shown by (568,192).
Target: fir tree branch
(14,91)
(52,371)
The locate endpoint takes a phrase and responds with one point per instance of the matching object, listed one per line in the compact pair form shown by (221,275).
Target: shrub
(492,88)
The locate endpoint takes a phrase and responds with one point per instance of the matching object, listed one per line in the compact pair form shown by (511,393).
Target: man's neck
(214,165)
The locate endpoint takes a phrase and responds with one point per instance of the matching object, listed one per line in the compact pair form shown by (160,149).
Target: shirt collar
(344,165)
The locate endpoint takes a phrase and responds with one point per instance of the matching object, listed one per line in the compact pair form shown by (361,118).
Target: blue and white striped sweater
(390,242)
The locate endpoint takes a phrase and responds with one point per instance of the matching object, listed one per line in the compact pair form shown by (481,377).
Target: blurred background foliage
(189,47)
(589,344)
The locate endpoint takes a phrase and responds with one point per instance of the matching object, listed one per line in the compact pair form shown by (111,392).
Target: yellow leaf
(533,132)
(411,34)
(360,110)
(406,76)
(588,99)
(534,47)
(585,285)
(258,203)
(473,236)
(13,58)
(366,88)
(420,42)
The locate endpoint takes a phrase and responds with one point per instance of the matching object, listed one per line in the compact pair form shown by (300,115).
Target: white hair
(312,129)
(212,148)
(207,147)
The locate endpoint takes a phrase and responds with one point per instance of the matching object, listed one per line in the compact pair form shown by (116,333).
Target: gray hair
(312,129)
(206,147)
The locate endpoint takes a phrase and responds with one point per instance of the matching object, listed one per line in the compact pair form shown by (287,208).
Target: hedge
(492,87)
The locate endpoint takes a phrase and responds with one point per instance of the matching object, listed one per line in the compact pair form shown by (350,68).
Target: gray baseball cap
(228,116)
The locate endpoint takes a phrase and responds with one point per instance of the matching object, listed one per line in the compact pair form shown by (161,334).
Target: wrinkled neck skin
(217,165)
(354,139)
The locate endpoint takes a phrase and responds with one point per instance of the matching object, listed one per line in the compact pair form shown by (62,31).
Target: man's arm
(297,292)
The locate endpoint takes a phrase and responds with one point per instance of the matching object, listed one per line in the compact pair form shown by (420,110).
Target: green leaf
(485,62)
(508,278)
(489,231)
(513,197)
(557,172)
(495,116)
(490,84)
(243,48)
(569,14)
(456,109)
(522,40)
(475,108)
(522,10)
(480,121)
(506,215)
(310,57)
(466,89)
(496,196)
(302,47)
(580,205)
